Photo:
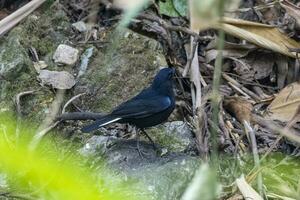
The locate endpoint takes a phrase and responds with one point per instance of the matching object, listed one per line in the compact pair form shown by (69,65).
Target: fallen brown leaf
(239,107)
(285,105)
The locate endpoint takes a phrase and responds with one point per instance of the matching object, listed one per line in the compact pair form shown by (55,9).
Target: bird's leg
(137,136)
(149,138)
(138,145)
(141,153)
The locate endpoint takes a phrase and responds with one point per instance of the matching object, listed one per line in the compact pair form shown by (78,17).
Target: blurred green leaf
(53,171)
(131,8)
(281,175)
(203,186)
(167,8)
(181,6)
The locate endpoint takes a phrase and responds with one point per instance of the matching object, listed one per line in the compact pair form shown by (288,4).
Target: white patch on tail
(111,121)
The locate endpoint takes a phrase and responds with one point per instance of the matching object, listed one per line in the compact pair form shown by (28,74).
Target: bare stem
(216,96)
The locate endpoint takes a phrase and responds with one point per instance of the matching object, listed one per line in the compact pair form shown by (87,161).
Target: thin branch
(238,85)
(216,96)
(48,122)
(168,26)
(10,21)
(19,111)
(70,101)
(253,142)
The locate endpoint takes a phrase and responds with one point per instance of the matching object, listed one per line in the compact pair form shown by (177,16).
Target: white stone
(80,26)
(65,54)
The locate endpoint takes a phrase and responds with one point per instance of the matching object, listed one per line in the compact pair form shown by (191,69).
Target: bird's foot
(141,153)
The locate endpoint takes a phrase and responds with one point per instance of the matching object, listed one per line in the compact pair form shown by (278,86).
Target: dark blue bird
(150,107)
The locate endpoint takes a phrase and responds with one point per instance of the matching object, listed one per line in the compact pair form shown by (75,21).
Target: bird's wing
(139,108)
(145,93)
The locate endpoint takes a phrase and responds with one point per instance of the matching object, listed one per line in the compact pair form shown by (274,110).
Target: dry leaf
(295,118)
(211,55)
(231,45)
(247,191)
(292,10)
(258,65)
(239,107)
(285,105)
(265,36)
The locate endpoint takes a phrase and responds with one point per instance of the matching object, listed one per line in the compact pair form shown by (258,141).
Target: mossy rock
(13,58)
(44,32)
(174,136)
(119,71)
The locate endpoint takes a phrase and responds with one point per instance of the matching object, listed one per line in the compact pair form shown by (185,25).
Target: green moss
(44,32)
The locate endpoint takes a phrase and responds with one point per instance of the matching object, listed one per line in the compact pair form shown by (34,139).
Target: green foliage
(173,8)
(282,175)
(52,172)
(181,6)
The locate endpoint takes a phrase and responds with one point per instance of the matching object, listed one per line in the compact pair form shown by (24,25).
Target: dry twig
(10,21)
(19,111)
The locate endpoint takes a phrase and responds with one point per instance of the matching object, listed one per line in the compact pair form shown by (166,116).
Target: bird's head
(163,81)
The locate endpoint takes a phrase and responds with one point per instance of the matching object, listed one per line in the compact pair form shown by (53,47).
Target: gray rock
(59,80)
(65,54)
(167,178)
(164,177)
(13,58)
(96,144)
(175,136)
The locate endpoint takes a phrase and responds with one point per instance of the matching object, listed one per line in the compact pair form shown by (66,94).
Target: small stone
(80,26)
(65,54)
(59,80)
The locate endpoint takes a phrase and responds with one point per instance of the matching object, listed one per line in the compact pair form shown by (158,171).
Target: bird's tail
(107,119)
